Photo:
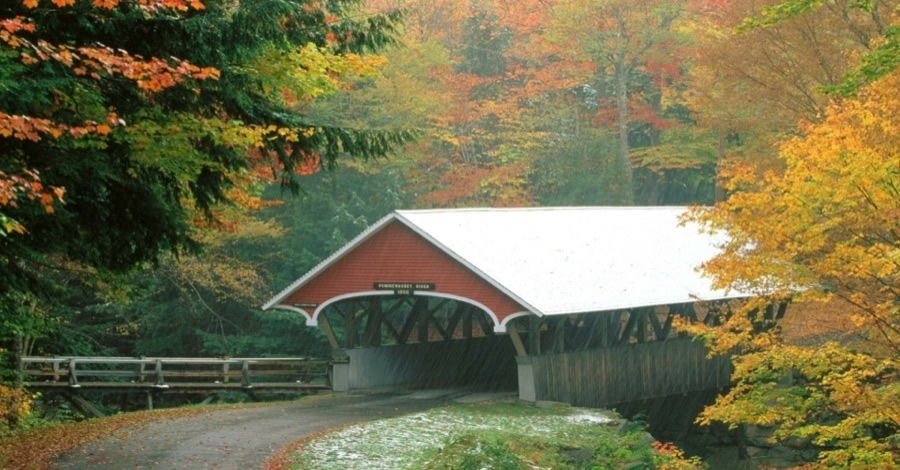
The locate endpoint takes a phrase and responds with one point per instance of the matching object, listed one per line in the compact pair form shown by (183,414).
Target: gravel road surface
(238,438)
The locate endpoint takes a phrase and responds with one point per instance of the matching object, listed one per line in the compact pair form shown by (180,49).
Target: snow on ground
(590,418)
(386,444)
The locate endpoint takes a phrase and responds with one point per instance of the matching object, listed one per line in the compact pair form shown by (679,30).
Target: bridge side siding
(607,376)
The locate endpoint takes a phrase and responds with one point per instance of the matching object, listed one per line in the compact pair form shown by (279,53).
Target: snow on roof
(559,260)
(579,259)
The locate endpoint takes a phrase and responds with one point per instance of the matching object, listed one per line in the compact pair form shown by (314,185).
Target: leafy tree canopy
(826,226)
(126,123)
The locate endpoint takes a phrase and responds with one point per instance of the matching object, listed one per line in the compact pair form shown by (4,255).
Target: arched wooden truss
(370,321)
(533,335)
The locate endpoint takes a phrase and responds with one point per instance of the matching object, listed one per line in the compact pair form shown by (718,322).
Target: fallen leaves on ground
(37,448)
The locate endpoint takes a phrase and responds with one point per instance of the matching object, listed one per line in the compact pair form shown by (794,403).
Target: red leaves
(310,164)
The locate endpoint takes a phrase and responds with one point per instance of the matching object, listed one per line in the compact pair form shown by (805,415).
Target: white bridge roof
(560,260)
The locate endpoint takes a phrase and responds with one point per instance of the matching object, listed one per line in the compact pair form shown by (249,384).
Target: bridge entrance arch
(423,340)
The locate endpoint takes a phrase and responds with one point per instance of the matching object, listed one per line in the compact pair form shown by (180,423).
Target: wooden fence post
(245,375)
(141,370)
(160,381)
(56,370)
(73,379)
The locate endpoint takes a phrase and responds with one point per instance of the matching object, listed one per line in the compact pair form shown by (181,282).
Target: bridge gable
(395,254)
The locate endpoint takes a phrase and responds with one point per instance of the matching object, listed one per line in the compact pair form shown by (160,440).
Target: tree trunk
(627,190)
(18,353)
(720,158)
(650,185)
(740,439)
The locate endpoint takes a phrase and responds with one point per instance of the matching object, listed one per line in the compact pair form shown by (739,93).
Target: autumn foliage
(824,228)
(132,129)
(15,405)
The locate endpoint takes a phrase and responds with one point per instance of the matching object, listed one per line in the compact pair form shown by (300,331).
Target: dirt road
(237,439)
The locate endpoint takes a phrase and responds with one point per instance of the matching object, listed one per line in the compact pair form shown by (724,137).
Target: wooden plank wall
(607,376)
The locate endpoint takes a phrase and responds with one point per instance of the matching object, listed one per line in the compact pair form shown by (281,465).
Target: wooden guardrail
(175,374)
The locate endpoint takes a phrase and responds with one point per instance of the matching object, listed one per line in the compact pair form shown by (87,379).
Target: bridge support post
(525,370)
(340,371)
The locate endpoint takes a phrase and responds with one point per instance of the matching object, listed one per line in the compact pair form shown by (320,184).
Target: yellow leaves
(15,405)
(313,72)
(829,221)
(829,225)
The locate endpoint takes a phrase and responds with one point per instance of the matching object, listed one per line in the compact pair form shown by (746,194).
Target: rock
(798,442)
(759,436)
(755,452)
(647,438)
(809,454)
(551,404)
(579,456)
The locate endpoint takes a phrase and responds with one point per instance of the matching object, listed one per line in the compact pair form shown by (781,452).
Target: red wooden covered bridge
(567,304)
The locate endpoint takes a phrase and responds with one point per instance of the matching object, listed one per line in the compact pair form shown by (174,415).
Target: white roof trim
(498,326)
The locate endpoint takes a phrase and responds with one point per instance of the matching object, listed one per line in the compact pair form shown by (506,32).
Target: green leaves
(883,57)
(772,15)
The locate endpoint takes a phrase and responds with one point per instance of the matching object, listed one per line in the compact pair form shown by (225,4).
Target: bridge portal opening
(416,341)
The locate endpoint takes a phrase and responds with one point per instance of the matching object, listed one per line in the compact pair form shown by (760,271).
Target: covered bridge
(567,304)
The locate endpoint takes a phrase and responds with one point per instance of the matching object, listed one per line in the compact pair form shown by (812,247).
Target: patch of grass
(476,436)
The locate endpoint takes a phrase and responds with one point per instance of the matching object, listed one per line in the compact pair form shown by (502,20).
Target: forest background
(149,206)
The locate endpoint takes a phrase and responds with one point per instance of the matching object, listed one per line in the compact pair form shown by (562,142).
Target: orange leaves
(311,164)
(25,185)
(149,5)
(10,26)
(31,128)
(469,186)
(151,75)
